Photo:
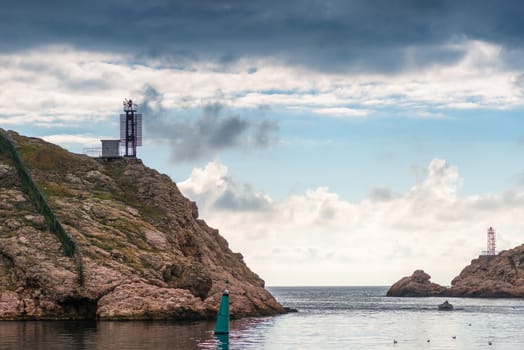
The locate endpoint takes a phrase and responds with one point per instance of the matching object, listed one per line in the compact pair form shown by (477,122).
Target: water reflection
(58,335)
(223,341)
(247,333)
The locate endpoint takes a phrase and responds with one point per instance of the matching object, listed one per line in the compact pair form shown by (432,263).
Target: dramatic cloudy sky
(331,142)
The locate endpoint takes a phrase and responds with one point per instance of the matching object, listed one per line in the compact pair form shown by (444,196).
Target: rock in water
(416,285)
(445,306)
(141,251)
(500,276)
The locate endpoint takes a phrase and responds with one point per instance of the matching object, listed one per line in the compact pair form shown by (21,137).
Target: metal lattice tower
(130,129)
(491,242)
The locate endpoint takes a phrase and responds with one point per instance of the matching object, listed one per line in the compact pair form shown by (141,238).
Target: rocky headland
(82,239)
(499,276)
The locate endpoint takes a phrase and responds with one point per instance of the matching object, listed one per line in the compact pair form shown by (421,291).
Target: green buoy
(222,325)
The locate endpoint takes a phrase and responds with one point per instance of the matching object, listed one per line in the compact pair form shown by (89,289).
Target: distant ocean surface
(328,318)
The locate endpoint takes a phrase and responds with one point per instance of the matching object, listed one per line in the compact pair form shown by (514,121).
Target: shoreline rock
(500,276)
(416,285)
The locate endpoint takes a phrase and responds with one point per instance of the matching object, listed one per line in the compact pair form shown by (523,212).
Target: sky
(343,142)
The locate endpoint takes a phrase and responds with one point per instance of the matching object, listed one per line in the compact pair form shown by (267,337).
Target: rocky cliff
(500,276)
(109,240)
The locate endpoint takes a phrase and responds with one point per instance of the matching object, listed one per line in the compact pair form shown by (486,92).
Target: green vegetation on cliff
(34,193)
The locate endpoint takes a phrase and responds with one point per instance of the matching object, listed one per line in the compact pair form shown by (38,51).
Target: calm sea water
(328,318)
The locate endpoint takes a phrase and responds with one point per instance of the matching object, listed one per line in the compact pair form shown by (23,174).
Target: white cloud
(58,86)
(212,188)
(318,237)
(341,112)
(64,139)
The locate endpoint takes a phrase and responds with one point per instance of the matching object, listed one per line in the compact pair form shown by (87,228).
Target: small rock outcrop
(500,276)
(139,249)
(416,285)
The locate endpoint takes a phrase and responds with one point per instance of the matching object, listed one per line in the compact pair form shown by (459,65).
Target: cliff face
(140,251)
(492,277)
(500,276)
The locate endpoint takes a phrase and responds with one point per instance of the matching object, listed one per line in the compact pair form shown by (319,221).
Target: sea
(327,318)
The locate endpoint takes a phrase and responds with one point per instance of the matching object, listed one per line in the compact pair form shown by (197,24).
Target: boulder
(416,285)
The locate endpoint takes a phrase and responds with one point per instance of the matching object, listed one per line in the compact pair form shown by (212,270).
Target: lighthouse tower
(491,242)
(130,129)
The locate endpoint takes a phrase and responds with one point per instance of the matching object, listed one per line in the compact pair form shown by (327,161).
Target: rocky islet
(498,276)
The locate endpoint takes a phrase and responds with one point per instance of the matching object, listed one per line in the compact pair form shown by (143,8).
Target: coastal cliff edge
(82,238)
